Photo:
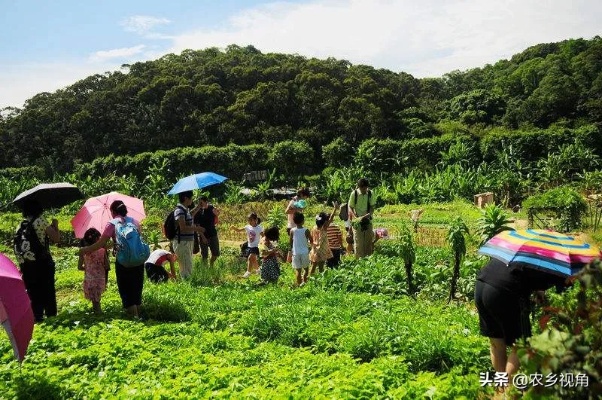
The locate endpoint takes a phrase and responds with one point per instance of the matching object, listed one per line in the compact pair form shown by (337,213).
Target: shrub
(571,342)
(566,204)
(493,220)
(338,153)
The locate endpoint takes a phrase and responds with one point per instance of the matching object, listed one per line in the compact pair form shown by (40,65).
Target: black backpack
(27,245)
(170,228)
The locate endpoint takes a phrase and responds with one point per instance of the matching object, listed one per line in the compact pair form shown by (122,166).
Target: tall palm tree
(457,241)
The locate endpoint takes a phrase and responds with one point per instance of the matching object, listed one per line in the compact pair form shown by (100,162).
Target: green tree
(293,159)
(338,153)
(318,96)
(555,98)
(477,106)
(358,118)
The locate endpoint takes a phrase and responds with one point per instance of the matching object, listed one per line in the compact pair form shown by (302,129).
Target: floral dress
(270,267)
(95,274)
(322,251)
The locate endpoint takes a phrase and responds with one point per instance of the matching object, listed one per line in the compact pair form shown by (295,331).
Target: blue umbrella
(197,181)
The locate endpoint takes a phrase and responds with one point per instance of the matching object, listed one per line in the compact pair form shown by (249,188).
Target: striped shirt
(182,212)
(335,237)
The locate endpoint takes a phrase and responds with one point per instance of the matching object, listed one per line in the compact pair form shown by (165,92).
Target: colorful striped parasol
(545,250)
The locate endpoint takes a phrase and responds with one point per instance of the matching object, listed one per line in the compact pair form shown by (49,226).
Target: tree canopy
(242,96)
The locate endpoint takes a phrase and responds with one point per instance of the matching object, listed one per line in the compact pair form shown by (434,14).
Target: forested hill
(242,96)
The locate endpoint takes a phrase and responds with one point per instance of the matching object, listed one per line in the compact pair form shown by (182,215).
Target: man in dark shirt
(206,217)
(502,297)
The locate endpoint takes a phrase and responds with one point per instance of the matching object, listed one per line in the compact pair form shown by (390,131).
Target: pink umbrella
(15,307)
(96,214)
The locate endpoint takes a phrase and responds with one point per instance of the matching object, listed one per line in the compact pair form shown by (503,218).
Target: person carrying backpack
(360,207)
(130,255)
(32,250)
(183,241)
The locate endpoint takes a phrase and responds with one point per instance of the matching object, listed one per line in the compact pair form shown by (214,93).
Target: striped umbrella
(545,250)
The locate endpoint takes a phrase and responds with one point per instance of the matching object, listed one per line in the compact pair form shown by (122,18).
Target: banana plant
(492,221)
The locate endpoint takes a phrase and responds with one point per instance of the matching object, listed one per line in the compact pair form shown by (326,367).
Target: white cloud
(426,38)
(423,38)
(143,24)
(21,82)
(124,52)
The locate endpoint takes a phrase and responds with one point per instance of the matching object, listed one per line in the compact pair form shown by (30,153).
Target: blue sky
(47,45)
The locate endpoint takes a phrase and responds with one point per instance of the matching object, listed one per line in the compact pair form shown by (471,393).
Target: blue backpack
(131,250)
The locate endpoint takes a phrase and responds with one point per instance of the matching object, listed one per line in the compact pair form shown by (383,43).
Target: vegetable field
(238,339)
(350,333)
(356,332)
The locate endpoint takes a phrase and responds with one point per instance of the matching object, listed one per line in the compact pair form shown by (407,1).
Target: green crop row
(243,340)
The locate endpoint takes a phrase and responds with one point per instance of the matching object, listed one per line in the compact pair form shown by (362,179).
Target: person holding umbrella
(183,242)
(32,250)
(523,262)
(502,297)
(130,280)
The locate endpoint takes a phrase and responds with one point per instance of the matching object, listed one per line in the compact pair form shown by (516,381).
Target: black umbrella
(50,195)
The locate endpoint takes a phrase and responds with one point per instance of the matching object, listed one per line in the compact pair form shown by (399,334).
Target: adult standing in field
(206,218)
(183,242)
(502,297)
(297,204)
(361,205)
(130,280)
(32,249)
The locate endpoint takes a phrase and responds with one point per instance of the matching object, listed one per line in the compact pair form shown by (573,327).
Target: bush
(571,342)
(338,153)
(232,161)
(566,204)
(493,220)
(535,144)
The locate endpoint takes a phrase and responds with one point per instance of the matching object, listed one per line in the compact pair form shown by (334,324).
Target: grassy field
(221,336)
(350,333)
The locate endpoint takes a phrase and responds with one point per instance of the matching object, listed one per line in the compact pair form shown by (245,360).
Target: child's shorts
(300,261)
(252,250)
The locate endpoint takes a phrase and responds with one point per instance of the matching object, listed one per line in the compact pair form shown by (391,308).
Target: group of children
(310,250)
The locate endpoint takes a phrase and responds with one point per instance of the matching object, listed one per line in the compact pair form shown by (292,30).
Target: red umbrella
(15,307)
(96,214)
